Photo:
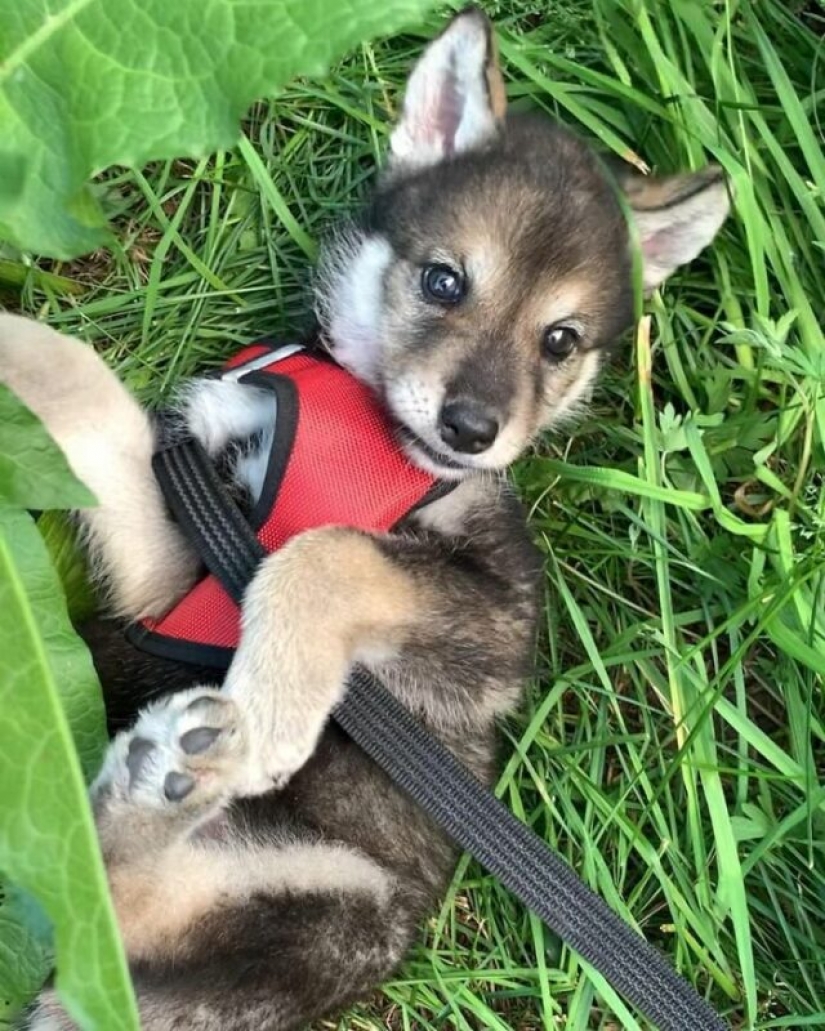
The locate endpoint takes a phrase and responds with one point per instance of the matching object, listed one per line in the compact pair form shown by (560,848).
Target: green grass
(674,746)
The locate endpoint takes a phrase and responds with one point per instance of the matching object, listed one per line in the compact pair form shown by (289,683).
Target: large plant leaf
(85,84)
(34,472)
(49,696)
(25,952)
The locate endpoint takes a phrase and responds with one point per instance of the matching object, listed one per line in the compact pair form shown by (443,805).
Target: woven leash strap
(444,788)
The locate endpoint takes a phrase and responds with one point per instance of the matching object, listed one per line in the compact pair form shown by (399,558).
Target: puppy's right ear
(676,218)
(455,98)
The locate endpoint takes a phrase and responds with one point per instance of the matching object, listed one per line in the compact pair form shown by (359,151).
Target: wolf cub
(264,871)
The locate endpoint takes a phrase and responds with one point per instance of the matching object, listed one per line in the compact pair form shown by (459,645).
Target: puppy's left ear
(676,218)
(455,98)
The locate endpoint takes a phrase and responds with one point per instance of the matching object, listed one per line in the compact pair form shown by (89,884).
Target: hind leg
(272,962)
(227,928)
(108,440)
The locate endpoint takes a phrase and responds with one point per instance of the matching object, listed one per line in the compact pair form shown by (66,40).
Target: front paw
(274,757)
(279,743)
(186,751)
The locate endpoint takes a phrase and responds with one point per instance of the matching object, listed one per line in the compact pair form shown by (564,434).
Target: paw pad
(139,751)
(193,742)
(186,748)
(177,786)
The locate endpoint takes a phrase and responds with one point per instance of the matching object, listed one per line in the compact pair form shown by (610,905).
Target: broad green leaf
(48,696)
(85,84)
(34,472)
(69,663)
(25,952)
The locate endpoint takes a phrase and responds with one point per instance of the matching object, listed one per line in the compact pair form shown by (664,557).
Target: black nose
(467,426)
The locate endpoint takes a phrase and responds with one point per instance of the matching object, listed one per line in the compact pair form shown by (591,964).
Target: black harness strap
(421,765)
(206,512)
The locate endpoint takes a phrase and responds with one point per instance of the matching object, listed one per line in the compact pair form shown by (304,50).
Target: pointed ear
(676,218)
(455,98)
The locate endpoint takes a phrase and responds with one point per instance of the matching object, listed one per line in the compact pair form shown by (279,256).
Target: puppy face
(493,267)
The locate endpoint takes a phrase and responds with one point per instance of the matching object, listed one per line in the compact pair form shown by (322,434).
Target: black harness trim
(445,789)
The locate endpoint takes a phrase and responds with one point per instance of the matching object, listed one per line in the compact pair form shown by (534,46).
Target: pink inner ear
(448,109)
(665,247)
(654,247)
(439,121)
(436,123)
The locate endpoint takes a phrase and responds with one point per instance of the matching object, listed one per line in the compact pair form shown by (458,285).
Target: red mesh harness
(334,461)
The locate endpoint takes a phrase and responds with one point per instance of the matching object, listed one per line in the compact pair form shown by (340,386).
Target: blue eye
(558,342)
(442,284)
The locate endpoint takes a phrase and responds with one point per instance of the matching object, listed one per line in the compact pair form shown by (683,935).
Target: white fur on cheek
(350,301)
